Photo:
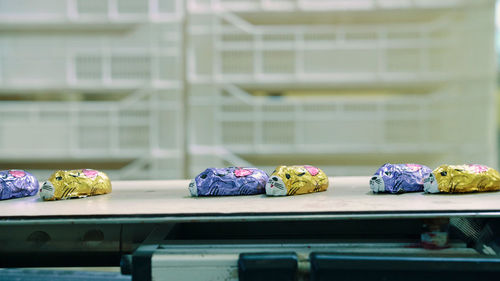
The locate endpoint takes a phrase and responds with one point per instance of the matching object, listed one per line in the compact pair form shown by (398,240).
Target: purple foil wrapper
(229,181)
(16,184)
(399,178)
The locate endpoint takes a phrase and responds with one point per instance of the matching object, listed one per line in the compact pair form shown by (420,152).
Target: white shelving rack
(377,49)
(345,85)
(143,127)
(125,55)
(92,12)
(143,56)
(202,6)
(434,62)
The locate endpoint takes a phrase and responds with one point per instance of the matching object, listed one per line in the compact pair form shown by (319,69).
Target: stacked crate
(345,85)
(94,82)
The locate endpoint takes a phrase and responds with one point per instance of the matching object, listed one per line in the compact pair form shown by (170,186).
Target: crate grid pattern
(137,47)
(206,6)
(88,11)
(448,56)
(139,58)
(128,50)
(241,52)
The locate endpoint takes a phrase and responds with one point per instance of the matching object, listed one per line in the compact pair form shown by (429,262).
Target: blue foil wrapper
(16,184)
(399,178)
(229,181)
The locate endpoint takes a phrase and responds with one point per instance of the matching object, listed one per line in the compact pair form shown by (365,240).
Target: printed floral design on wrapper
(242,172)
(294,180)
(399,178)
(414,167)
(312,170)
(475,168)
(228,182)
(90,173)
(17,173)
(462,179)
(75,184)
(17,184)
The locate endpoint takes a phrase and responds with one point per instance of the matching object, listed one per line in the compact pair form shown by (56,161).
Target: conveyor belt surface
(346,197)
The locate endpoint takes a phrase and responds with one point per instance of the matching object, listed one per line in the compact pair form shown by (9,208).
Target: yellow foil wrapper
(293,180)
(75,184)
(462,179)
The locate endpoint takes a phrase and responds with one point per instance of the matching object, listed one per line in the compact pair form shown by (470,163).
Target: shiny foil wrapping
(294,180)
(399,178)
(16,184)
(462,179)
(75,184)
(228,181)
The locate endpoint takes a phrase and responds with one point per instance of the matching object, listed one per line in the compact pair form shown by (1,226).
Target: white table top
(345,196)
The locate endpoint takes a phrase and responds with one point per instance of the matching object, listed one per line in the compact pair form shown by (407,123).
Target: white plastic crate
(26,12)
(359,167)
(246,124)
(233,48)
(145,168)
(144,130)
(443,47)
(438,56)
(146,124)
(206,6)
(146,56)
(451,124)
(151,168)
(110,48)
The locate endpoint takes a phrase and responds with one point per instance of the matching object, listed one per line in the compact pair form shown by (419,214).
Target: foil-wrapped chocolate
(293,180)
(399,178)
(228,181)
(75,184)
(462,179)
(16,184)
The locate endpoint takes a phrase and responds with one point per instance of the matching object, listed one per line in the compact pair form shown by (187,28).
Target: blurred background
(163,89)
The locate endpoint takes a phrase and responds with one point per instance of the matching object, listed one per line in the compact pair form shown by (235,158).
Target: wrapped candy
(293,180)
(75,184)
(228,181)
(462,178)
(16,184)
(399,178)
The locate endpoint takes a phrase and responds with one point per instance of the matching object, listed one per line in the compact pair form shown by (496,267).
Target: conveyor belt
(161,201)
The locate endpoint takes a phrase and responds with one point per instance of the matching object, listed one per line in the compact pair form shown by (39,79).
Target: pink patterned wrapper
(16,184)
(229,181)
(399,178)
